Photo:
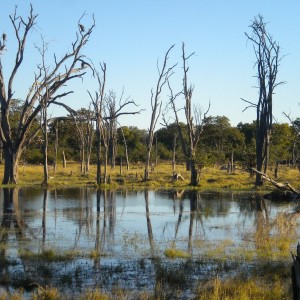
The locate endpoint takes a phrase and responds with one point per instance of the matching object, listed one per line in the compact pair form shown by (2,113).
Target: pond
(83,238)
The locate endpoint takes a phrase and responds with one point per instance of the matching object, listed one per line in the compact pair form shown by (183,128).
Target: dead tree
(55,146)
(110,108)
(125,146)
(98,102)
(163,75)
(65,69)
(195,120)
(285,187)
(43,70)
(102,118)
(267,53)
(83,119)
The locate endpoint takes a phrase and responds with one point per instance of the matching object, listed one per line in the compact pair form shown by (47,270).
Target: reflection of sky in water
(71,219)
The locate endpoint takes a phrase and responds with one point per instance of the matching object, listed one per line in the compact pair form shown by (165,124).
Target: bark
(194,172)
(12,159)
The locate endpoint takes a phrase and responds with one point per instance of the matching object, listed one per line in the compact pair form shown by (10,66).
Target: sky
(132,37)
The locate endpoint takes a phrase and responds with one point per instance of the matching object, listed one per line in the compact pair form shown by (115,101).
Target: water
(130,229)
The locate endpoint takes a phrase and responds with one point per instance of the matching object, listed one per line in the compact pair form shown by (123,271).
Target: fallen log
(281,186)
(177,176)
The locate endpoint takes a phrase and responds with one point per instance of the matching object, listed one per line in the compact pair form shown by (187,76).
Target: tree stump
(296,274)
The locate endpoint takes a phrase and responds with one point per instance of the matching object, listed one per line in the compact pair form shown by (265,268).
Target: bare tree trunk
(163,76)
(88,155)
(194,171)
(232,160)
(121,165)
(276,169)
(101,127)
(174,154)
(267,52)
(11,165)
(126,150)
(64,160)
(89,139)
(194,120)
(98,153)
(55,146)
(45,148)
(105,164)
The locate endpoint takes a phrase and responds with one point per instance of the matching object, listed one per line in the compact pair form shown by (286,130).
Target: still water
(125,228)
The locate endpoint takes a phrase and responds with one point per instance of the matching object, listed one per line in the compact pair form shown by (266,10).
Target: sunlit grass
(243,289)
(176,253)
(211,178)
(49,255)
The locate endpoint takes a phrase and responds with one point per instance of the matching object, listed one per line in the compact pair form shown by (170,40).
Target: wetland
(147,244)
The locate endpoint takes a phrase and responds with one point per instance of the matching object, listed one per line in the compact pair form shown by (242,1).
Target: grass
(210,178)
(243,289)
(48,255)
(176,253)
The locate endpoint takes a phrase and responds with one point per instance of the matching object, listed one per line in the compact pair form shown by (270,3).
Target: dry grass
(210,178)
(243,289)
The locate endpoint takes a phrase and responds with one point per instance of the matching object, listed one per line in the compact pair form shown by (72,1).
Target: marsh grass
(210,178)
(242,289)
(176,253)
(94,295)
(48,255)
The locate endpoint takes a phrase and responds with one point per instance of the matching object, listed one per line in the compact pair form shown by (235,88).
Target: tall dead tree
(98,103)
(55,146)
(43,101)
(125,146)
(267,54)
(65,69)
(102,118)
(195,120)
(110,109)
(163,75)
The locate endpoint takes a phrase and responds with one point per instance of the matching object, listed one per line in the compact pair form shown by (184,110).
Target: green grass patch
(176,253)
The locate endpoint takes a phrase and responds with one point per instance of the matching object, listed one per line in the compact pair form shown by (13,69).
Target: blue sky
(130,36)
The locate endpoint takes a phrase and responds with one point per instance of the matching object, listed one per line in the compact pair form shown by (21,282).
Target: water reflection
(86,219)
(109,226)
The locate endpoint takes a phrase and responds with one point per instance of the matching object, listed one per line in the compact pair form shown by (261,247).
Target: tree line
(28,133)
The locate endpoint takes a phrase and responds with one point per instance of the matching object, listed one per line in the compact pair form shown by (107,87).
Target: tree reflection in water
(103,221)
